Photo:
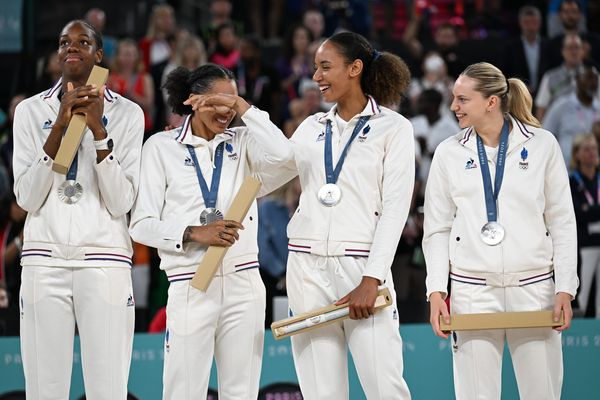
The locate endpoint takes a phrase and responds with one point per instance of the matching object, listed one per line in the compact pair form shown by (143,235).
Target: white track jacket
(170,198)
(93,231)
(376,182)
(534,207)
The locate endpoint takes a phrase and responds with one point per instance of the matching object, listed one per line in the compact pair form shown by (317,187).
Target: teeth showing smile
(222,120)
(323,88)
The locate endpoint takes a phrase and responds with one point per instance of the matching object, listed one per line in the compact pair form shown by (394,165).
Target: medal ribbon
(587,194)
(332,174)
(491,194)
(210,197)
(72,174)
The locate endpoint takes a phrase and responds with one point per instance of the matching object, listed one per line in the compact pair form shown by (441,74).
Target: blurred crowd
(552,45)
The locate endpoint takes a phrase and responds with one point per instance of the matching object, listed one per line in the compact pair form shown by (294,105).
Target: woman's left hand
(562,302)
(361,300)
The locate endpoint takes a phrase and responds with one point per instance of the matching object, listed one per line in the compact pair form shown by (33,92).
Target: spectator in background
(154,46)
(571,18)
(310,102)
(526,57)
(295,65)
(435,76)
(274,10)
(585,184)
(97,18)
(575,113)
(258,83)
(50,73)
(226,51)
(596,131)
(128,78)
(431,125)
(188,52)
(12,221)
(315,22)
(560,80)
(7,141)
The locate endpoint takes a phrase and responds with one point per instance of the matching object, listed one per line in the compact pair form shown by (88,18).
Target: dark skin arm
(87,100)
(361,300)
(222,233)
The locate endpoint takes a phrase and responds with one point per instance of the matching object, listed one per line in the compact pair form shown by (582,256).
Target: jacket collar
(185,136)
(372,108)
(50,96)
(519,134)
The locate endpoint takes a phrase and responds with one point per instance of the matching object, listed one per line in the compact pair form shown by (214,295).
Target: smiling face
(332,73)
(217,120)
(77,51)
(469,105)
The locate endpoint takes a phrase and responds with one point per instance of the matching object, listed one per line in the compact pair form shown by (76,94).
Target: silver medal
(70,192)
(329,195)
(210,215)
(492,233)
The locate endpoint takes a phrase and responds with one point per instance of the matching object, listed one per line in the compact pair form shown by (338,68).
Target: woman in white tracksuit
(189,177)
(343,236)
(499,224)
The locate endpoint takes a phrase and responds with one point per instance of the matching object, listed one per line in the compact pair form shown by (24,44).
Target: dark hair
(95,34)
(563,2)
(288,47)
(385,76)
(217,34)
(181,82)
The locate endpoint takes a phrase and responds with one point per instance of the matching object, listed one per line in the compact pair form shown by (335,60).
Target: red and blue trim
(108,257)
(36,252)
(180,277)
(536,278)
(357,252)
(467,279)
(466,136)
(247,265)
(298,248)
(184,129)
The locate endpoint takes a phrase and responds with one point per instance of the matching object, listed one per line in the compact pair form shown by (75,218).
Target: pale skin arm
(562,302)
(438,307)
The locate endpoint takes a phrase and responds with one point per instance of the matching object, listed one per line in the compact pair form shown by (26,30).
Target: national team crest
(363,136)
(232,154)
(524,164)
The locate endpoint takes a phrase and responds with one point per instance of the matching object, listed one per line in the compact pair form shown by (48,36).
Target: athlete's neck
(200,130)
(351,105)
(490,130)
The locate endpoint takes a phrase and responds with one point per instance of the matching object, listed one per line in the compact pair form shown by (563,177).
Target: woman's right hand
(222,233)
(438,307)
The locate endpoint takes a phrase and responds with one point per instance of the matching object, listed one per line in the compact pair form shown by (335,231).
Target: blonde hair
(514,96)
(577,143)
(156,11)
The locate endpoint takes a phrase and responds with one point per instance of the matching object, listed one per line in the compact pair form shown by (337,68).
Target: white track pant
(228,322)
(536,353)
(320,356)
(99,300)
(590,265)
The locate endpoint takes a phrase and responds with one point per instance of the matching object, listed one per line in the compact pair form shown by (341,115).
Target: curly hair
(182,82)
(385,76)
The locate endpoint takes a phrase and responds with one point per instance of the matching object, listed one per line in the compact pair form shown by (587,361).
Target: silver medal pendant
(492,233)
(329,195)
(210,215)
(70,192)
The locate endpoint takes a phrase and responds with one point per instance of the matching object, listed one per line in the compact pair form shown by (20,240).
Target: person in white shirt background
(76,253)
(343,236)
(189,178)
(508,244)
